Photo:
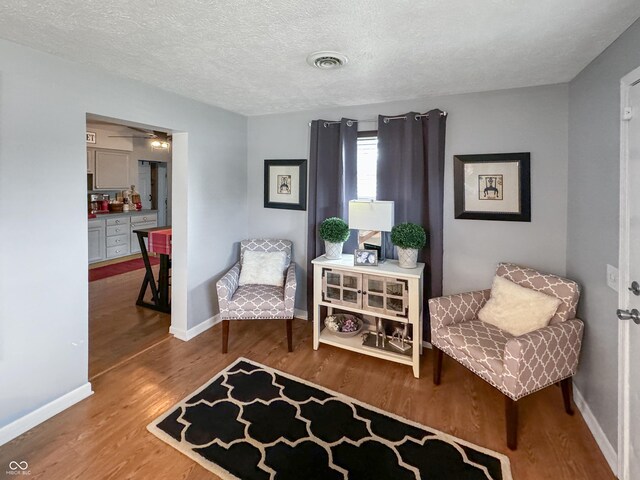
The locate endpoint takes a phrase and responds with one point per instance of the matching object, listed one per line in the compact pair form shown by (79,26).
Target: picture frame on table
(494,186)
(285,184)
(365,257)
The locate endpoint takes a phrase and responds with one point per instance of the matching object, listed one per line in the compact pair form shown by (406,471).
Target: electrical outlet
(612,277)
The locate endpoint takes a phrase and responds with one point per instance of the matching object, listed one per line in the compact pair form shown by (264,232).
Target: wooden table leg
(160,298)
(163,281)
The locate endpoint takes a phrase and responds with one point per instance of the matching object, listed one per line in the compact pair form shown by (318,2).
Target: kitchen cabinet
(111,171)
(91,161)
(96,241)
(139,222)
(112,236)
(117,236)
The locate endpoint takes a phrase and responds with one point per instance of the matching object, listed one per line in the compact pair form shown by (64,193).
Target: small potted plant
(334,231)
(409,238)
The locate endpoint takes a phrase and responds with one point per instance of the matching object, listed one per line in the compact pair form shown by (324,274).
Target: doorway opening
(128,200)
(154,187)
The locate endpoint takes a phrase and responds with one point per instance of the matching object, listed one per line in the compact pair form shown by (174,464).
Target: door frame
(626,83)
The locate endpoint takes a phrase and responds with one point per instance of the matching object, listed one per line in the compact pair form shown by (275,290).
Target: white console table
(386,291)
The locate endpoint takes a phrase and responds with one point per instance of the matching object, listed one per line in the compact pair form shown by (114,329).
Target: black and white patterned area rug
(252,422)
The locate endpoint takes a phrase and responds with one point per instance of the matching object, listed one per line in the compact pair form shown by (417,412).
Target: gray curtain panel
(332,183)
(411,173)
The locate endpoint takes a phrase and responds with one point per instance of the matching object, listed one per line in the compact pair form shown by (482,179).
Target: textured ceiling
(249,56)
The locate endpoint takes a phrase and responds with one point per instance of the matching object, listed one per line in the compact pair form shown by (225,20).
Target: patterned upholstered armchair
(517,366)
(257,302)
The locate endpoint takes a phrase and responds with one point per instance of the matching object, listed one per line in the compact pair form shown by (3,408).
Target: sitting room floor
(105,435)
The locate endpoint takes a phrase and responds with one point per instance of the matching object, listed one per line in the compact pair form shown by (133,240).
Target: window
(367,164)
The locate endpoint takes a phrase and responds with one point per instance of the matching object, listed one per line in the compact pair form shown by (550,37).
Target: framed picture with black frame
(494,186)
(285,184)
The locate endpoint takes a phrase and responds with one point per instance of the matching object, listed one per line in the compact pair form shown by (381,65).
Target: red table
(159,242)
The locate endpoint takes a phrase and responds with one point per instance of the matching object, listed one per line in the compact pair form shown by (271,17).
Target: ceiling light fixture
(159,144)
(327,60)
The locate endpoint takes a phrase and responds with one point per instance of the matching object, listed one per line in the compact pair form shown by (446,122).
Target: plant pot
(333,251)
(407,257)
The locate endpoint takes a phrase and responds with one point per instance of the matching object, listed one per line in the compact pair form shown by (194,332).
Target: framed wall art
(285,184)
(494,186)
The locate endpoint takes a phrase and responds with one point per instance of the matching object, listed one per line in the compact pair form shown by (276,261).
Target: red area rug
(119,268)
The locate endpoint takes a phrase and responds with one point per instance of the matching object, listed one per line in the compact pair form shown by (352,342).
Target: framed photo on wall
(494,186)
(285,184)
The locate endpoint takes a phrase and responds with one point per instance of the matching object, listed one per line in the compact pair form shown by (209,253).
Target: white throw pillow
(263,268)
(517,310)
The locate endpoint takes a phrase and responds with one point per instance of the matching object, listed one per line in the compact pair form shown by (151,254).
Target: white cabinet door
(111,170)
(135,243)
(96,242)
(90,160)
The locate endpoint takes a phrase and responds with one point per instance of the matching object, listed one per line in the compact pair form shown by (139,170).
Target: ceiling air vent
(327,60)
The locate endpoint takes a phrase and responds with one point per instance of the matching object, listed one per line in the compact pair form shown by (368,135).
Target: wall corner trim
(606,448)
(301,314)
(186,335)
(45,412)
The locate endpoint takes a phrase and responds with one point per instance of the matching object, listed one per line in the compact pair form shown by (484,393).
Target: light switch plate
(612,277)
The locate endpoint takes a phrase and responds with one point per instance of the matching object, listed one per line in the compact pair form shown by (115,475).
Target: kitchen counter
(111,234)
(100,216)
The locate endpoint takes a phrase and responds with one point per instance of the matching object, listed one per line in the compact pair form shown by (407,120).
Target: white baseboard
(607,449)
(301,314)
(45,412)
(186,335)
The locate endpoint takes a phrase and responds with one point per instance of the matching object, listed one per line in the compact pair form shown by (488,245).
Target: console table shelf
(385,291)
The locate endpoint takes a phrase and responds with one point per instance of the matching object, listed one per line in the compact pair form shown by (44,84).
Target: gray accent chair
(257,302)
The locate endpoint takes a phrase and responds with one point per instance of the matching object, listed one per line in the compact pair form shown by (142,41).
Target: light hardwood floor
(105,435)
(118,329)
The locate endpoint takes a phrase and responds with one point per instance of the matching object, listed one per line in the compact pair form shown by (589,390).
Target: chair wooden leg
(567,394)
(290,334)
(511,410)
(225,335)
(437,365)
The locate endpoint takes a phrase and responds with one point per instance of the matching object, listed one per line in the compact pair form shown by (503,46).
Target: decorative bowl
(332,321)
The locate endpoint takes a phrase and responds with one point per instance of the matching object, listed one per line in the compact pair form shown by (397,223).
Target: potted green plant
(334,231)
(408,238)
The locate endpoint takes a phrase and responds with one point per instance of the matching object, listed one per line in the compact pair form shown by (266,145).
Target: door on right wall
(629,296)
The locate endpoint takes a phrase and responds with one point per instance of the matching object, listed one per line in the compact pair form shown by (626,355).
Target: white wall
(593,206)
(522,120)
(43,247)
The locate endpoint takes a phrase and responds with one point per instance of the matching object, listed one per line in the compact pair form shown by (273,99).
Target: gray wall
(593,207)
(43,218)
(523,120)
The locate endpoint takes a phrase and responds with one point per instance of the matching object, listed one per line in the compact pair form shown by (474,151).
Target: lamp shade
(371,215)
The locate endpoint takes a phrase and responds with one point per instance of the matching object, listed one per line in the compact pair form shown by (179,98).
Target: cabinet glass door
(342,288)
(386,295)
(396,297)
(351,289)
(374,288)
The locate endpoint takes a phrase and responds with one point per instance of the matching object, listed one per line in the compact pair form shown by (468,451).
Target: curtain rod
(386,119)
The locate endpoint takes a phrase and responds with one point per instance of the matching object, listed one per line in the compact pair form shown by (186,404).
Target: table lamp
(372,218)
